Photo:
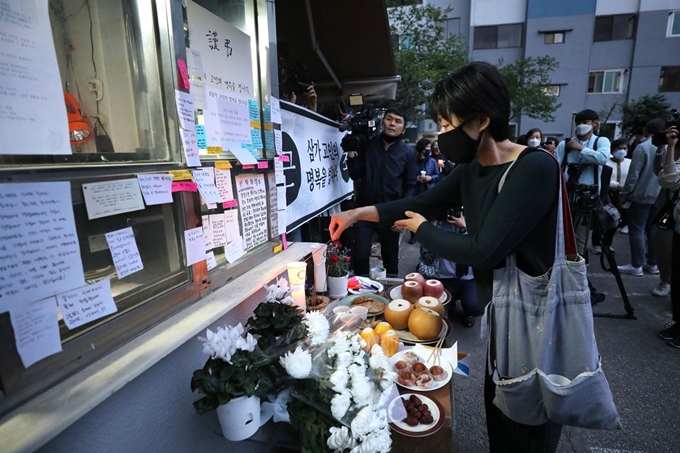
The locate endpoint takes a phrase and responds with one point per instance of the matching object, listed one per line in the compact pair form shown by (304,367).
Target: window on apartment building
(556,37)
(553,90)
(612,81)
(451,27)
(614,28)
(669,79)
(396,3)
(498,36)
(673,24)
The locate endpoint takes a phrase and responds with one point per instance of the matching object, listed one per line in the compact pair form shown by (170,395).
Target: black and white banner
(316,173)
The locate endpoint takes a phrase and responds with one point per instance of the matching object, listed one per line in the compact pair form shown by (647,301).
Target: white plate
(420,430)
(435,384)
(408,337)
(395,293)
(367,281)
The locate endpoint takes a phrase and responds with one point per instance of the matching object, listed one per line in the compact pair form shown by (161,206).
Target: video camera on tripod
(361,122)
(582,197)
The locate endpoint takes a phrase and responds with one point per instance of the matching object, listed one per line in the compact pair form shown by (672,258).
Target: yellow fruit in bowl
(397,313)
(370,337)
(425,323)
(382,327)
(389,342)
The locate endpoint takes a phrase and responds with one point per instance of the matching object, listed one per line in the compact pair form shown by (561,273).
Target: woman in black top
(472,106)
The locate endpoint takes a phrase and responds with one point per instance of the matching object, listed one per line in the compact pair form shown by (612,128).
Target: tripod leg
(613,268)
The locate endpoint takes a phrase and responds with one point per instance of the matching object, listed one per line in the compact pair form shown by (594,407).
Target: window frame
(558,89)
(553,35)
(623,85)
(496,33)
(611,22)
(662,76)
(672,17)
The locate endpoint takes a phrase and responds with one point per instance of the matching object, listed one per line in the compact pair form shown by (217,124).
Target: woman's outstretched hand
(340,222)
(412,223)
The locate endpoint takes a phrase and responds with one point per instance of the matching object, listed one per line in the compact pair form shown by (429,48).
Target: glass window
(613,28)
(451,27)
(608,81)
(554,38)
(509,36)
(396,3)
(108,62)
(553,90)
(670,79)
(673,24)
(485,37)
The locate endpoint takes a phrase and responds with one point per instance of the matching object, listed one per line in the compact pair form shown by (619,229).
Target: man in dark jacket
(387,170)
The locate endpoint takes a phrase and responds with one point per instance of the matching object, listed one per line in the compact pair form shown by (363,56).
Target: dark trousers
(675,278)
(507,436)
(466,292)
(363,239)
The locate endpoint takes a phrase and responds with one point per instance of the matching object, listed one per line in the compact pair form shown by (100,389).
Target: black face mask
(388,138)
(457,146)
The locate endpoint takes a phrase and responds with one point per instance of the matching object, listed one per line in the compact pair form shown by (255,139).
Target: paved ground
(643,371)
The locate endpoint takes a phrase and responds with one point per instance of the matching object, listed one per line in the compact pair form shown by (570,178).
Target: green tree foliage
(637,113)
(423,54)
(526,78)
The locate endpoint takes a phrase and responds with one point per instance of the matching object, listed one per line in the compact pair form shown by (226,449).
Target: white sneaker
(596,249)
(651,269)
(630,270)
(624,230)
(663,289)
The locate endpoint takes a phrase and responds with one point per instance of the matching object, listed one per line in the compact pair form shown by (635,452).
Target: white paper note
(195,245)
(190,146)
(282,221)
(124,252)
(210,259)
(197,90)
(231,227)
(280,178)
(36,330)
(276,111)
(185,110)
(226,117)
(32,114)
(243,155)
(274,214)
(219,230)
(156,189)
(205,180)
(252,195)
(207,233)
(223,183)
(234,250)
(86,304)
(39,249)
(103,199)
(281,197)
(278,142)
(195,64)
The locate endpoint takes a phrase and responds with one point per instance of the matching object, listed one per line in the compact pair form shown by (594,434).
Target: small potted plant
(233,380)
(337,262)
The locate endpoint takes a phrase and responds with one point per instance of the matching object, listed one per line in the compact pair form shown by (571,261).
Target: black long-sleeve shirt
(386,174)
(521,219)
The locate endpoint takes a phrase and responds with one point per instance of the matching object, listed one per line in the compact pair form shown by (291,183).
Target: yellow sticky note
(214,150)
(181,175)
(222,164)
(278,248)
(268,127)
(254,124)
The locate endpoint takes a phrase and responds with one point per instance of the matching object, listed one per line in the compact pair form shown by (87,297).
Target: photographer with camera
(638,195)
(387,169)
(582,158)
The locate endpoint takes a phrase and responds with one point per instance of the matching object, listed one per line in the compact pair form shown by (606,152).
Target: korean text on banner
(124,252)
(86,304)
(252,195)
(103,199)
(39,249)
(36,330)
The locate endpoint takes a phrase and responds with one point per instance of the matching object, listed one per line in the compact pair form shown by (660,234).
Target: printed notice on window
(32,110)
(195,245)
(124,252)
(252,195)
(156,189)
(86,304)
(103,199)
(227,118)
(39,249)
(36,330)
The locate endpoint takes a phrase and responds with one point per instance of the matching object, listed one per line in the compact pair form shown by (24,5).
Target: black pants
(675,278)
(507,436)
(363,239)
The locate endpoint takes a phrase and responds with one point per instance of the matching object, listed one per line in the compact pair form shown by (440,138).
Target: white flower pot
(240,417)
(337,286)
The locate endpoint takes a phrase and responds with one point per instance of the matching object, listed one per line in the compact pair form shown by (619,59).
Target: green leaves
(637,113)
(271,320)
(526,79)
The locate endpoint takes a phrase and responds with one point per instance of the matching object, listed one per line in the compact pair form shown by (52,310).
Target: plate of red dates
(414,373)
(424,416)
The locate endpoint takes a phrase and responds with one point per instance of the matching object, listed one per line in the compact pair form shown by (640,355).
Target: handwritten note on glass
(103,199)
(218,229)
(195,245)
(252,194)
(231,225)
(210,258)
(39,249)
(205,180)
(124,251)
(274,217)
(207,233)
(234,250)
(36,330)
(185,110)
(276,110)
(156,189)
(86,304)
(223,183)
(190,147)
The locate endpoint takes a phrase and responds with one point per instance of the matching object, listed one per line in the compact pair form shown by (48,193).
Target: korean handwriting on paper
(212,40)
(253,201)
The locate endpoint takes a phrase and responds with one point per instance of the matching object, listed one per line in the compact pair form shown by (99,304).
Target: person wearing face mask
(550,144)
(428,172)
(586,149)
(534,137)
(445,166)
(387,169)
(473,109)
(639,194)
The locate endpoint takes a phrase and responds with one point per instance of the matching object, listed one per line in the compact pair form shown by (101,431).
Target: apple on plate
(433,288)
(411,291)
(415,276)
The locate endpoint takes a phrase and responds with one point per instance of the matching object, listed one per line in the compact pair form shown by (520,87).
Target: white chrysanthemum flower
(317,327)
(340,439)
(375,442)
(339,379)
(340,404)
(356,368)
(379,362)
(355,343)
(339,343)
(361,424)
(361,390)
(343,360)
(298,364)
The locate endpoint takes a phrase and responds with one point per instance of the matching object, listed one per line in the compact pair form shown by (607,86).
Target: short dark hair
(618,142)
(399,112)
(655,125)
(422,144)
(586,115)
(531,132)
(551,140)
(476,88)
